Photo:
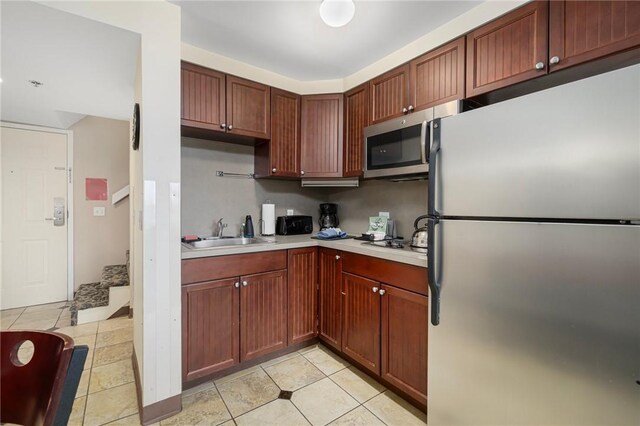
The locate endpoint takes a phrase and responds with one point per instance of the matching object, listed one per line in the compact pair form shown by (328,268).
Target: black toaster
(294,225)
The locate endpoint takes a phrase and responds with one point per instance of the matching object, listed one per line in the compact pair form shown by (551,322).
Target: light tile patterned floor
(326,389)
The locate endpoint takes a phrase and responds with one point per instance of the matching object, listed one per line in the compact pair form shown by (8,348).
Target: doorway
(35,220)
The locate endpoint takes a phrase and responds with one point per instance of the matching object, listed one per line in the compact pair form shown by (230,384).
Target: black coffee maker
(328,216)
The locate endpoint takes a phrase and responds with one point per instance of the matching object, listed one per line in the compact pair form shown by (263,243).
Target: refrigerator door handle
(433,157)
(434,285)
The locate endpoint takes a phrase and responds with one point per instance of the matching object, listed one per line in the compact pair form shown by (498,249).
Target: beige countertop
(280,242)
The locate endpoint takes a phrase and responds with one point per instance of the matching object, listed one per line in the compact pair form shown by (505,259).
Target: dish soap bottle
(248,227)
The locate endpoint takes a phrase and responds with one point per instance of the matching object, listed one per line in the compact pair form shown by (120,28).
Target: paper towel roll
(268,219)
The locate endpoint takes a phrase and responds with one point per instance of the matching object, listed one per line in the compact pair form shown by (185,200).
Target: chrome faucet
(221,227)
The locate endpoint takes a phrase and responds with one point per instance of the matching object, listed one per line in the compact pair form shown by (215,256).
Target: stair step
(91,295)
(114,275)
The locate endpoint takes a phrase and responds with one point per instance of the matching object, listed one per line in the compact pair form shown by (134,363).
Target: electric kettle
(419,237)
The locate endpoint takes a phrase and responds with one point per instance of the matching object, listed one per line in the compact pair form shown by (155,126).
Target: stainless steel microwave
(400,146)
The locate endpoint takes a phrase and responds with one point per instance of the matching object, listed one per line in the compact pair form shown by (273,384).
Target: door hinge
(69,174)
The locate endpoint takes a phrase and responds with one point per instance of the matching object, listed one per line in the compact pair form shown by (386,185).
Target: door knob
(554,60)
(223,126)
(375,289)
(274,170)
(302,172)
(244,283)
(236,285)
(337,257)
(410,108)
(382,292)
(404,110)
(540,65)
(230,127)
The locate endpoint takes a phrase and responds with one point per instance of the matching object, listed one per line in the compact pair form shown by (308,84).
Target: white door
(34,245)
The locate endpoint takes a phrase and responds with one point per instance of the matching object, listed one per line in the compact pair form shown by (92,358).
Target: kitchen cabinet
(216,102)
(280,157)
(302,282)
(234,308)
(581,31)
(361,321)
(405,327)
(437,77)
(263,314)
(356,118)
(330,295)
(508,50)
(321,136)
(389,95)
(210,332)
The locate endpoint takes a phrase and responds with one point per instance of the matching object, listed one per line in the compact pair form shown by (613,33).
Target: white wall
(100,150)
(157,338)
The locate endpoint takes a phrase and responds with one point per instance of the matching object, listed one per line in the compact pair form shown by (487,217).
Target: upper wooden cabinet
(302,286)
(223,103)
(356,118)
(202,97)
(321,136)
(511,49)
(437,77)
(581,31)
(389,94)
(280,157)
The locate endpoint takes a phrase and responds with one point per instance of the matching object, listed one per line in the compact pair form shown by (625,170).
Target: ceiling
(88,68)
(290,38)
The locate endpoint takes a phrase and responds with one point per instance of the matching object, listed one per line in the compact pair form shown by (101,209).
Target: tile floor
(324,389)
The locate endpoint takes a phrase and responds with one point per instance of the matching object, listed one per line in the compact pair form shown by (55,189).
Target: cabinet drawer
(218,267)
(408,277)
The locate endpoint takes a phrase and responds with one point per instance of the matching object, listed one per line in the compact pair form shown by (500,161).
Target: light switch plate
(99,211)
(289,212)
(383,214)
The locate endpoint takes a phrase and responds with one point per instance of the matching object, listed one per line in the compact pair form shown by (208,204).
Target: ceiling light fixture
(337,13)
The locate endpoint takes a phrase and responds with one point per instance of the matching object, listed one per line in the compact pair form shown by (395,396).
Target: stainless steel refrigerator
(534,258)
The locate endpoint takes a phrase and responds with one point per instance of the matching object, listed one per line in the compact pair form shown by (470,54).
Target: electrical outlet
(383,214)
(99,211)
(289,212)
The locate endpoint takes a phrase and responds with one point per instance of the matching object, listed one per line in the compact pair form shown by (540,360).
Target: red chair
(41,391)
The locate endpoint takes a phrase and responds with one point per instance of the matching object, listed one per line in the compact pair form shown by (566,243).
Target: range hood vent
(323,183)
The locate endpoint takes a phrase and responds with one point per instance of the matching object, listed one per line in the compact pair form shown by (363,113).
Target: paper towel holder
(263,223)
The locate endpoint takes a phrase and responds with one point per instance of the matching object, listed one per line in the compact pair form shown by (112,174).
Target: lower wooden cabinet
(302,283)
(361,321)
(263,314)
(404,340)
(330,309)
(210,332)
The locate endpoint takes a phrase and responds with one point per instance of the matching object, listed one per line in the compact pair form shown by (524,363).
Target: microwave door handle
(423,142)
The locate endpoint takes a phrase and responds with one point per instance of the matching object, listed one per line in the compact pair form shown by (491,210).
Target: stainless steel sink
(225,242)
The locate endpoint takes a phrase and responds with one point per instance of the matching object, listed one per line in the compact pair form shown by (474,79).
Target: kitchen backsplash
(207,197)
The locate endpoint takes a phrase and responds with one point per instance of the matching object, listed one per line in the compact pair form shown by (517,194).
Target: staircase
(100,300)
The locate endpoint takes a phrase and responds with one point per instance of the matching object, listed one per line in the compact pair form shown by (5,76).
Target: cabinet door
(506,51)
(361,321)
(303,294)
(321,128)
(210,325)
(330,306)
(248,108)
(281,156)
(580,31)
(438,76)
(389,94)
(202,97)
(404,341)
(356,118)
(263,314)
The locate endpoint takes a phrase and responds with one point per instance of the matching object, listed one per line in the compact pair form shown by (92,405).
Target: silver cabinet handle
(230,127)
(375,289)
(540,66)
(404,110)
(554,60)
(274,170)
(223,126)
(244,283)
(302,172)
(236,285)
(382,292)
(337,257)
(410,108)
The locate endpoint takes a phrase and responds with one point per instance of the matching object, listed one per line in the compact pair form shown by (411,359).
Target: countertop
(280,242)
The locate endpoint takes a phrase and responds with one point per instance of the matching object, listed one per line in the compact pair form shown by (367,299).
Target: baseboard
(159,410)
